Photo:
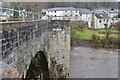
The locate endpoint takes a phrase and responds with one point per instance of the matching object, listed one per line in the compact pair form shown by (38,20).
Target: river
(7,71)
(93,63)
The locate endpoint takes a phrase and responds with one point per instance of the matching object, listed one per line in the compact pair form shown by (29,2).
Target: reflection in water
(94,63)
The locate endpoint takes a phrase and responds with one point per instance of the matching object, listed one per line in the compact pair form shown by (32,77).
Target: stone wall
(20,41)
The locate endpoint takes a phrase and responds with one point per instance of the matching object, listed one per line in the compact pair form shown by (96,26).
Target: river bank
(93,44)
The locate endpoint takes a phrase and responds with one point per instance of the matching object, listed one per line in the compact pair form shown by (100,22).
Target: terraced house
(62,13)
(104,17)
(100,17)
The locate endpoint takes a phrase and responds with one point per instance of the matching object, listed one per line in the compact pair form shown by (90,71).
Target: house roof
(98,12)
(106,10)
(62,9)
(111,11)
(102,16)
(84,11)
(117,16)
(2,14)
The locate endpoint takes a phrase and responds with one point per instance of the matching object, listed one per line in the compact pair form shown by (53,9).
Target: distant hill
(89,5)
(37,6)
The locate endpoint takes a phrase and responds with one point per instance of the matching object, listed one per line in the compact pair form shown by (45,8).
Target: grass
(101,41)
(112,30)
(111,35)
(87,34)
(83,35)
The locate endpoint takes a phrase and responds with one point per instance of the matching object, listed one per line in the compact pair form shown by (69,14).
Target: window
(71,15)
(99,21)
(80,14)
(65,15)
(55,15)
(76,11)
(76,15)
(107,20)
(55,11)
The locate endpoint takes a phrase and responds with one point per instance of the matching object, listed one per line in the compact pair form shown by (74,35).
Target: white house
(104,16)
(62,13)
(112,13)
(8,12)
(86,15)
(115,19)
(101,21)
(3,16)
(68,13)
(100,17)
(5,13)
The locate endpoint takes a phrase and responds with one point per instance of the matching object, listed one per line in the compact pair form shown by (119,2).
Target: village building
(112,13)
(104,17)
(101,21)
(62,13)
(86,15)
(100,17)
(6,13)
(68,13)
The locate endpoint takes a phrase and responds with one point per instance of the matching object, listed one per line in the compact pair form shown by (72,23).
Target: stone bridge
(36,46)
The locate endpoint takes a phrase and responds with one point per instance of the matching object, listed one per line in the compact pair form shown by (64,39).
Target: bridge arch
(21,41)
(38,67)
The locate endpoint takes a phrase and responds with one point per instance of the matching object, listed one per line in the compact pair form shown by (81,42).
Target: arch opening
(38,67)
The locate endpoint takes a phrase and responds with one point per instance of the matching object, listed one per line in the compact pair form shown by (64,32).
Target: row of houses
(100,17)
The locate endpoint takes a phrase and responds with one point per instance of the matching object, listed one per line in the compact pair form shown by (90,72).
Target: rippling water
(93,63)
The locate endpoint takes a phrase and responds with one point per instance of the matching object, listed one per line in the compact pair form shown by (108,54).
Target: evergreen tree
(16,13)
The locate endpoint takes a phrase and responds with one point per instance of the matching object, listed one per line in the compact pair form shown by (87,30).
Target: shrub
(106,42)
(117,26)
(16,14)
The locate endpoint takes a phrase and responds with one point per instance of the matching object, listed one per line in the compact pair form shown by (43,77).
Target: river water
(93,63)
(7,71)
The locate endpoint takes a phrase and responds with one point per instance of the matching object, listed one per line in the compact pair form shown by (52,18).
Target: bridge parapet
(20,41)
